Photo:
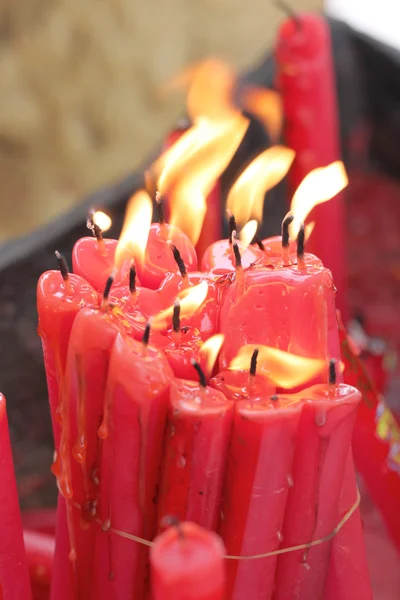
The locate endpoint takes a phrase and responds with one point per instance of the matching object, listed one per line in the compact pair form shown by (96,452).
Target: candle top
(260,408)
(189,396)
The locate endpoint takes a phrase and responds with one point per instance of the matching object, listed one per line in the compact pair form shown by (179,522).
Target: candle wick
(97,232)
(232,225)
(132,278)
(62,265)
(258,241)
(146,334)
(332,377)
(160,208)
(274,398)
(107,289)
(176,320)
(289,11)
(179,261)
(300,248)
(236,252)
(172,521)
(202,377)
(253,363)
(286,238)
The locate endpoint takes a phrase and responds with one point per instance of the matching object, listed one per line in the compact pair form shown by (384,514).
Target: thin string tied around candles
(306,546)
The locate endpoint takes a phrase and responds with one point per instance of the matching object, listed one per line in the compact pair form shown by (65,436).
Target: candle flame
(320,185)
(190,300)
(246,197)
(248,232)
(135,231)
(282,368)
(101,219)
(210,350)
(266,105)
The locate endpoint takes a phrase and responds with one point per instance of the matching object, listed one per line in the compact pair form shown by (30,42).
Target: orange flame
(246,197)
(101,219)
(210,350)
(248,232)
(320,185)
(135,231)
(266,105)
(190,300)
(282,368)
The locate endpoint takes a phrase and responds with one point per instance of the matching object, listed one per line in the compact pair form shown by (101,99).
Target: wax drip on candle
(181,265)
(232,225)
(176,321)
(107,289)
(202,377)
(285,238)
(300,248)
(97,232)
(146,334)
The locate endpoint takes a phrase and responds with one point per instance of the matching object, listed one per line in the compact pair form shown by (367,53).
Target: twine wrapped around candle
(305,546)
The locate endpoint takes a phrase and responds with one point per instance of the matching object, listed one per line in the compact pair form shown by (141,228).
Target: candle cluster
(177,391)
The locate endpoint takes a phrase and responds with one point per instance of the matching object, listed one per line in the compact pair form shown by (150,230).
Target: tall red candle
(322,447)
(258,478)
(14,575)
(195,450)
(306,80)
(134,416)
(187,564)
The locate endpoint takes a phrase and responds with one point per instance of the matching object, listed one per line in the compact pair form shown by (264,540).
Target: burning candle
(307,83)
(14,576)
(195,451)
(187,564)
(322,448)
(134,416)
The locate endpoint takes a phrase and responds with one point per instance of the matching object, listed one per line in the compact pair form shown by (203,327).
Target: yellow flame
(266,105)
(102,220)
(190,300)
(248,232)
(320,185)
(246,197)
(135,231)
(281,368)
(308,229)
(210,350)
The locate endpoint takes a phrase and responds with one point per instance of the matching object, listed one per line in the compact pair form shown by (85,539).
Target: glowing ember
(102,220)
(319,186)
(135,231)
(246,197)
(282,368)
(190,300)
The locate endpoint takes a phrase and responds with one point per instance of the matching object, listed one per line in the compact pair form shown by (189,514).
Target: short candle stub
(132,279)
(62,265)
(232,225)
(332,372)
(202,377)
(160,208)
(300,248)
(146,334)
(172,521)
(176,316)
(253,362)
(179,261)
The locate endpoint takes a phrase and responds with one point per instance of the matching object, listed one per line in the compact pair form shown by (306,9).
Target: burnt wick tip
(253,362)
(62,265)
(132,279)
(160,208)
(94,228)
(107,287)
(285,230)
(274,397)
(300,241)
(238,258)
(179,260)
(232,225)
(176,316)
(258,241)
(146,334)
(172,521)
(332,371)
(202,377)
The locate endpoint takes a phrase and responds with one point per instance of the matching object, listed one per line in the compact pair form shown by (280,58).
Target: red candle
(134,416)
(219,260)
(299,304)
(14,576)
(312,510)
(60,295)
(195,450)
(187,563)
(306,80)
(348,576)
(258,478)
(39,548)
